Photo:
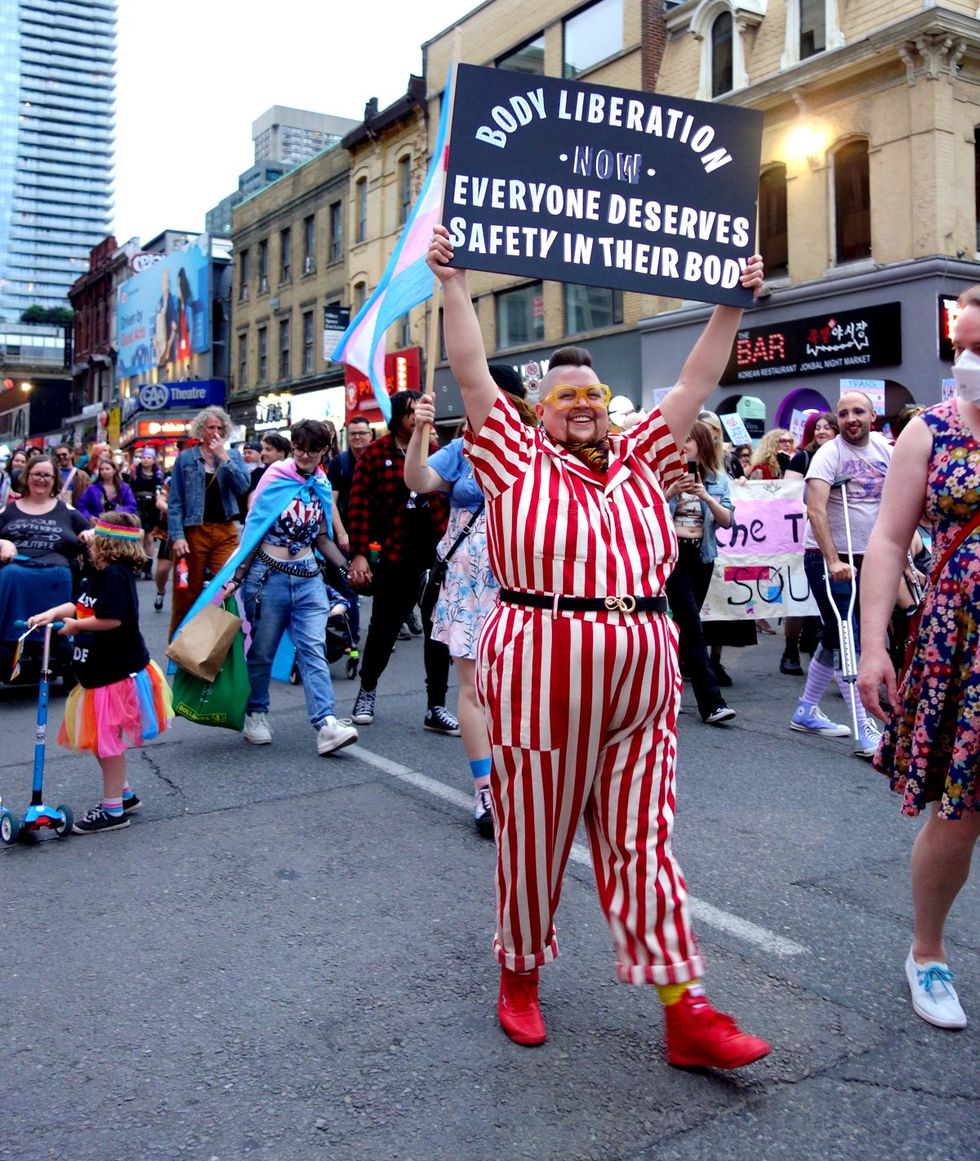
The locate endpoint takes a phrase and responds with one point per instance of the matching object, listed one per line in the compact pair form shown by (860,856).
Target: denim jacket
(185,503)
(716,486)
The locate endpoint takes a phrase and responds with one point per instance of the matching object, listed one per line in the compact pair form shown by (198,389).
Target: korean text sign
(603,186)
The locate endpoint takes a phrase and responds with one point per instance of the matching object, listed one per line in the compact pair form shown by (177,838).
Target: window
(336,232)
(308,342)
(529,58)
(404,331)
(242,361)
(284,348)
(360,292)
(309,245)
(722,55)
(263,339)
(588,308)
(592,35)
(773,239)
(520,316)
(360,209)
(285,254)
(813,27)
(243,276)
(404,189)
(263,265)
(852,202)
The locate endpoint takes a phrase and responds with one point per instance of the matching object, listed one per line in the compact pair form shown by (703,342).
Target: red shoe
(517,1007)
(700,1037)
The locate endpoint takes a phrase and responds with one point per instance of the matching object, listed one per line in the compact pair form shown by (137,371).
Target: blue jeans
(815,567)
(275,602)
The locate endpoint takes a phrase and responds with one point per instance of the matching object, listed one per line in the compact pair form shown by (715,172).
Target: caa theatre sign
(837,341)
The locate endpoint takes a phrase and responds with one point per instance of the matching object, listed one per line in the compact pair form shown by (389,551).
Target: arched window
(404,188)
(852,202)
(773,239)
(722,43)
(360,209)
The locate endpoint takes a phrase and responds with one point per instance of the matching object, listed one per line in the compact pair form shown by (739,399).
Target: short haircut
(40,458)
(278,442)
(311,434)
(570,357)
(358,419)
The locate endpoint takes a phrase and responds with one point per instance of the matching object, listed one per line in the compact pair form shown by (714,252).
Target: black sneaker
(133,802)
(721,713)
(440,721)
(98,820)
(404,633)
(158,601)
(482,814)
(363,714)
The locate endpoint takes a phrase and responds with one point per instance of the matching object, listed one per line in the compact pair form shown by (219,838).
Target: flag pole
(432,335)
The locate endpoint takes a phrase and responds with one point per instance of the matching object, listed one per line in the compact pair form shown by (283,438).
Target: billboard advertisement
(163,312)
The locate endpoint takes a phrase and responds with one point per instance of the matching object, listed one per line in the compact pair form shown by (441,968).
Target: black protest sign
(610,187)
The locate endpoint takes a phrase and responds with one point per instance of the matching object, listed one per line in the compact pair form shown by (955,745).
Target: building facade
(290,245)
(868,187)
(56,145)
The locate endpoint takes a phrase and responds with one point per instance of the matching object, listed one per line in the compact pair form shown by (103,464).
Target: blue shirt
(456,469)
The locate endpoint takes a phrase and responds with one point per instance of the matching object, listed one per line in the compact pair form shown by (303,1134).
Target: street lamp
(27,387)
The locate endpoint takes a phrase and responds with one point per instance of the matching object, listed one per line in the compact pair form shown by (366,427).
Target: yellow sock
(671,993)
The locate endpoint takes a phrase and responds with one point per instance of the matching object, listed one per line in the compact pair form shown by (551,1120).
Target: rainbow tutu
(109,720)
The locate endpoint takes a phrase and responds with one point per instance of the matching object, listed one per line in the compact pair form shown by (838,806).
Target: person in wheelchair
(40,537)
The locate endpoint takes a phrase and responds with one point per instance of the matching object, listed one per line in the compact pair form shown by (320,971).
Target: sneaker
(790,665)
(133,802)
(933,995)
(257,729)
(698,1036)
(482,813)
(721,713)
(414,623)
(440,721)
(722,676)
(404,633)
(810,719)
(158,601)
(334,734)
(99,820)
(363,714)
(518,1008)
(870,736)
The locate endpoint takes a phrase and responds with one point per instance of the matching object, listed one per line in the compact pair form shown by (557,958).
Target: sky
(192,76)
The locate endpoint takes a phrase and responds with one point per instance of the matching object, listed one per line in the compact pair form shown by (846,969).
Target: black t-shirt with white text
(48,539)
(109,655)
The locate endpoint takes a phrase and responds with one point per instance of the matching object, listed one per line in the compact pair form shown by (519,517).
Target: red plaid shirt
(383,510)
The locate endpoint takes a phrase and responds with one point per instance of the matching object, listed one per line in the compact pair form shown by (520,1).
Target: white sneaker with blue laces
(933,996)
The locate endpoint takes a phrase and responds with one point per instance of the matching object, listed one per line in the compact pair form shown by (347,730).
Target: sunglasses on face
(564,397)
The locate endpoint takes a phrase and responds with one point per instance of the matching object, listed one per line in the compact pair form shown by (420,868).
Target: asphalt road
(288,956)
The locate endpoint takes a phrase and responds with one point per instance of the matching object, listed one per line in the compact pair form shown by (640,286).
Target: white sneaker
(334,734)
(257,729)
(933,995)
(867,746)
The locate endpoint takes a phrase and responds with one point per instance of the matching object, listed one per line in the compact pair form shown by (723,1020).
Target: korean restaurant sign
(609,187)
(837,341)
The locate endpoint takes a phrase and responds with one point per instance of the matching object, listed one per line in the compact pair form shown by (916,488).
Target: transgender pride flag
(407,279)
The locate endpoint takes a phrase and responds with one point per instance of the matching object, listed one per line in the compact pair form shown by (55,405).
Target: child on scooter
(122,698)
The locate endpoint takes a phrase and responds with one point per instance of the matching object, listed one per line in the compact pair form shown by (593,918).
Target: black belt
(585,604)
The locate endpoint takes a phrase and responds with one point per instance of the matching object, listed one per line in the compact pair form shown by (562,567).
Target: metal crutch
(847,651)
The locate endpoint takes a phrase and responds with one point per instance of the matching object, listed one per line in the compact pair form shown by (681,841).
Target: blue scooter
(56,818)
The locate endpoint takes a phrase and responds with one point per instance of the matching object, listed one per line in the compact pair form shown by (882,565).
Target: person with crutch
(840,518)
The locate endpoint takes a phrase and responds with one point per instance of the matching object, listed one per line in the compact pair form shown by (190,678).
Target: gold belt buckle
(621,604)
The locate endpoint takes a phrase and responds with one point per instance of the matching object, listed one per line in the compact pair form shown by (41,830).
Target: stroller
(339,640)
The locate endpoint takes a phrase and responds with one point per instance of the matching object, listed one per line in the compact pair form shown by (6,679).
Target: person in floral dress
(931,745)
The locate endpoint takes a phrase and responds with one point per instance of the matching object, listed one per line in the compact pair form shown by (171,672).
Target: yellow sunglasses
(564,398)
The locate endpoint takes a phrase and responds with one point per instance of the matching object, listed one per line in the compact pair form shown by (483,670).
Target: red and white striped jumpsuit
(582,706)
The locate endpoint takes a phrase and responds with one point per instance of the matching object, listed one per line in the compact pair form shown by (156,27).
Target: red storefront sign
(403,372)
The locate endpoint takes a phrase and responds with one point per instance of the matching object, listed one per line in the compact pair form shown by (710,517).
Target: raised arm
(420,477)
(704,365)
(464,341)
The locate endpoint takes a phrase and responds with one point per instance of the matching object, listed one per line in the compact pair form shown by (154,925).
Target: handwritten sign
(609,187)
(737,431)
(759,570)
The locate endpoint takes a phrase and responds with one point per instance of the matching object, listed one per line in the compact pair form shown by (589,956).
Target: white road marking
(744,929)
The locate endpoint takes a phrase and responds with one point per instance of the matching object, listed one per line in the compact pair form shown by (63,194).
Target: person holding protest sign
(577,669)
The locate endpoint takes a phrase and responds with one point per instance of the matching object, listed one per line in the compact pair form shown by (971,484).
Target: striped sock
(112,806)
